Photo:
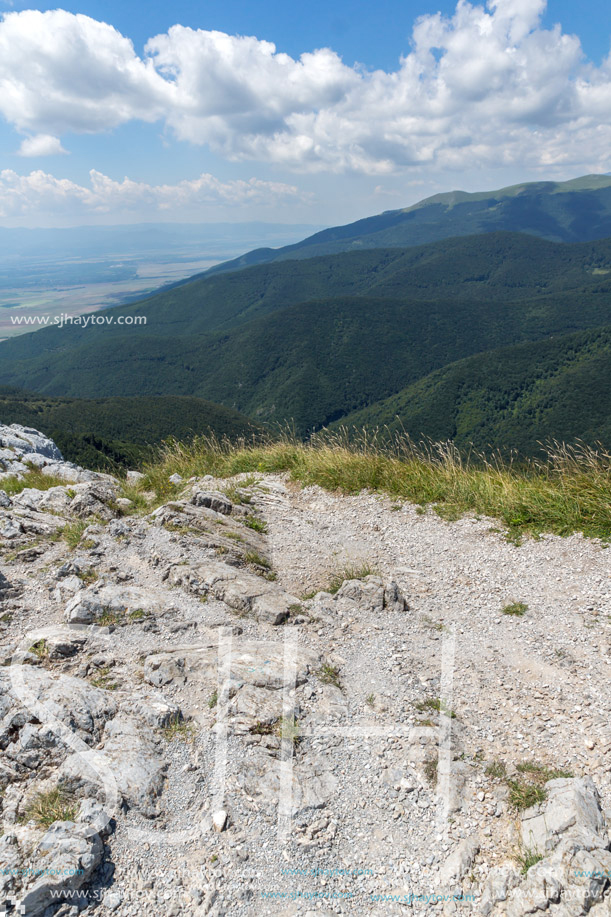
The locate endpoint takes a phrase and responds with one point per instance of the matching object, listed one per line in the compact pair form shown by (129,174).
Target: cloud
(486,86)
(41,145)
(40,192)
(61,72)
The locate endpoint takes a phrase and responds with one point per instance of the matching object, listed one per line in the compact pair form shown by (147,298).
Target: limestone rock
(71,853)
(212,500)
(92,604)
(460,861)
(499,882)
(219,820)
(24,440)
(570,829)
(572,803)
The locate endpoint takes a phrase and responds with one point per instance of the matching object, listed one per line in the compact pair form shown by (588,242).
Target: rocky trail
(264,699)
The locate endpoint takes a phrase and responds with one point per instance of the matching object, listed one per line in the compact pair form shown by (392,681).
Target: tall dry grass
(568,490)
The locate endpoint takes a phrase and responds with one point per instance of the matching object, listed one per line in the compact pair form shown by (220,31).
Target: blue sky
(152,111)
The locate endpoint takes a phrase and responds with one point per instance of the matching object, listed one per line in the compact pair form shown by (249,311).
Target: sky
(202,110)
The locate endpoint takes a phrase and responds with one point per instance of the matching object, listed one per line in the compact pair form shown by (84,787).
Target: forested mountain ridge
(572,211)
(110,433)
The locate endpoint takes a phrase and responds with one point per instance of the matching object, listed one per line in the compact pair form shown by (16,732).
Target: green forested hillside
(315,361)
(496,266)
(571,211)
(113,432)
(315,340)
(510,398)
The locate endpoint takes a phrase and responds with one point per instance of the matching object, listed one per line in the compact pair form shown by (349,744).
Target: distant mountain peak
(591,182)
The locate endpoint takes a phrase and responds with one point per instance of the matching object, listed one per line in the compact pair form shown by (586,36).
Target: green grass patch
(236,494)
(234,536)
(541,772)
(523,794)
(181,529)
(515,609)
(88,576)
(529,788)
(350,571)
(256,524)
(178,728)
(33,478)
(40,650)
(436,704)
(140,502)
(430,770)
(287,728)
(496,769)
(104,680)
(138,614)
(257,560)
(109,617)
(329,674)
(72,533)
(527,858)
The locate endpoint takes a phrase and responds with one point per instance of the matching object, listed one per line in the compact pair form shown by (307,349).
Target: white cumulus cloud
(40,192)
(63,72)
(41,145)
(483,87)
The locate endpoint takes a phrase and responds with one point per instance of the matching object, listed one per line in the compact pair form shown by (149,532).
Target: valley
(45,273)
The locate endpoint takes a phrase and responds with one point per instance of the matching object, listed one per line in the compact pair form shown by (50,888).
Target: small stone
(112,900)
(133,477)
(219,820)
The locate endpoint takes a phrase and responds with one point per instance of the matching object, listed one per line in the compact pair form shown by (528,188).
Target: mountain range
(570,211)
(493,330)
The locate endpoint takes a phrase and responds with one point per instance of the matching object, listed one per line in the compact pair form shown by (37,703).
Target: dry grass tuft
(51,806)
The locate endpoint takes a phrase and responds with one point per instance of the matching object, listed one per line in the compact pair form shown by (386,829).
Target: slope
(510,398)
(314,361)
